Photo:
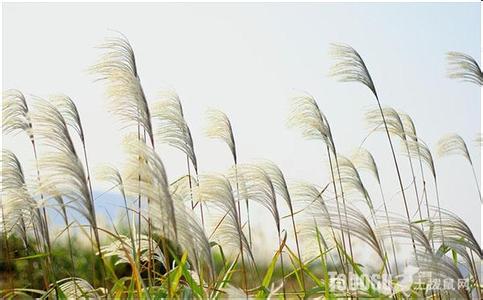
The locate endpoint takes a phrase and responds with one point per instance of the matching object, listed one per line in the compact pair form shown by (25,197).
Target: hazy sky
(247,59)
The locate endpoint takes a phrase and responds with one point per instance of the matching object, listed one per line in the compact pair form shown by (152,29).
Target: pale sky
(247,59)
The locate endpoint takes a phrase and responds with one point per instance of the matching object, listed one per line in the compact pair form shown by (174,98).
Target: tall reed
(351,68)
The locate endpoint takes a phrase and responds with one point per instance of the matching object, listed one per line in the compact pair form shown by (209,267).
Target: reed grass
(164,248)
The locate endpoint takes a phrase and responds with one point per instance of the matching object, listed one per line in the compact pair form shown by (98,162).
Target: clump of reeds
(162,247)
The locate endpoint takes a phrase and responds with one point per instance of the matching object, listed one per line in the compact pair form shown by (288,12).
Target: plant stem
(281,264)
(390,230)
(298,249)
(398,176)
(342,260)
(476,181)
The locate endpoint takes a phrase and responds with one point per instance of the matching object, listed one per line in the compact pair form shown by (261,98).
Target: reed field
(193,237)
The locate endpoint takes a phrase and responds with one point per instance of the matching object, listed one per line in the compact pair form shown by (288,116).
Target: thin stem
(43,218)
(425,193)
(298,249)
(7,248)
(398,176)
(344,204)
(439,209)
(475,271)
(281,264)
(150,235)
(342,260)
(390,230)
(239,225)
(93,212)
(414,180)
(476,181)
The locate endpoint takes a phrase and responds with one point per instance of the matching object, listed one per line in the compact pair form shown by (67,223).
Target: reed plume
(62,170)
(453,144)
(258,187)
(464,67)
(217,190)
(117,67)
(350,67)
(306,116)
(310,196)
(411,145)
(16,117)
(172,129)
(281,188)
(363,159)
(396,127)
(219,127)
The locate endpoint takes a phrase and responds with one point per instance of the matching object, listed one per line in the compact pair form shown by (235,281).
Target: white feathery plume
(281,188)
(75,288)
(12,173)
(455,230)
(51,128)
(192,238)
(419,149)
(355,222)
(216,189)
(468,261)
(278,180)
(352,182)
(63,176)
(395,126)
(479,139)
(232,292)
(151,183)
(68,110)
(464,67)
(219,127)
(453,144)
(19,210)
(306,116)
(257,187)
(117,66)
(408,126)
(363,159)
(350,67)
(15,113)
(310,197)
(400,228)
(393,121)
(436,267)
(181,187)
(122,248)
(171,128)
(166,209)
(111,174)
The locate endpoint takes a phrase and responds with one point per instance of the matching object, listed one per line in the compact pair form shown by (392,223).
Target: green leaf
(30,257)
(177,274)
(271,268)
